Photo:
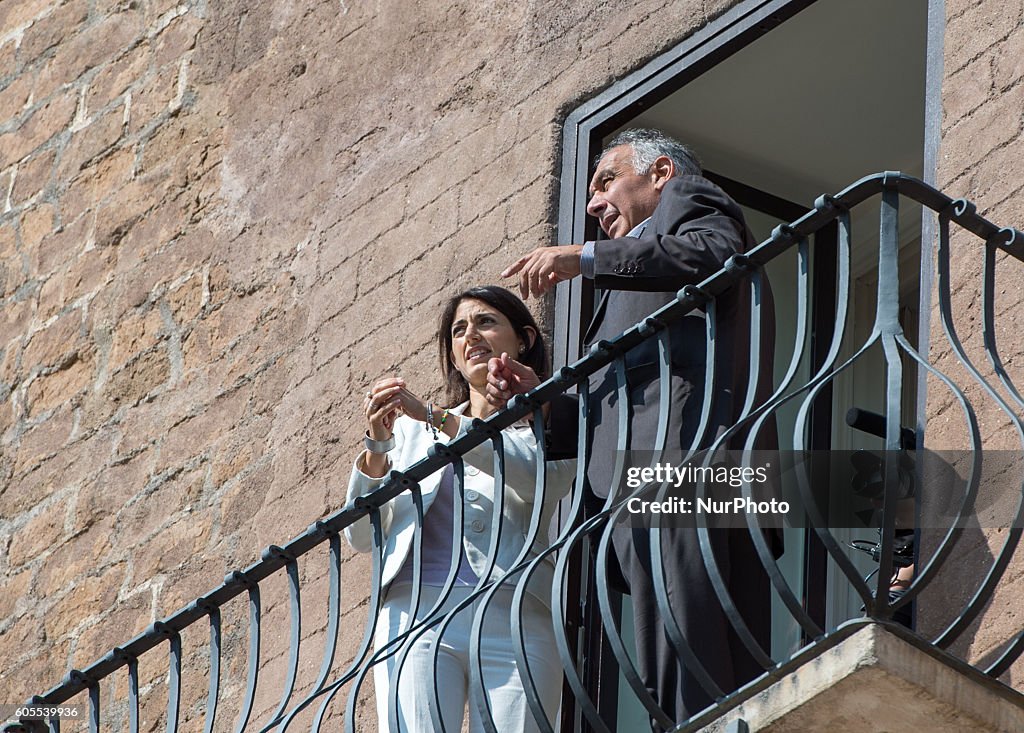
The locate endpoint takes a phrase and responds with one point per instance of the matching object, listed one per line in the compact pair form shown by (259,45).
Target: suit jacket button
(472,496)
(477,525)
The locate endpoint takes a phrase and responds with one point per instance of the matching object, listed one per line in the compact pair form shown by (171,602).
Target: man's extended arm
(693,231)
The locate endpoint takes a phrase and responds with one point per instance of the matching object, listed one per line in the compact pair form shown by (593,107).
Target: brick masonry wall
(980,159)
(219,222)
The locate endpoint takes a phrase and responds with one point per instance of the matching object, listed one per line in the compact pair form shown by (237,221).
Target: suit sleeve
(694,230)
(360,533)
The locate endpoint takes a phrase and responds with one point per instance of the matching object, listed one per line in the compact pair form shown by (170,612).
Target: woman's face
(479,333)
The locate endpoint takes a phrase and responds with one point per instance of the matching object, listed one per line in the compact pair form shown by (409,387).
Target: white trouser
(501,681)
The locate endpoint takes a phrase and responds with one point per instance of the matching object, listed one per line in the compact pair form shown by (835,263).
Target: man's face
(620,198)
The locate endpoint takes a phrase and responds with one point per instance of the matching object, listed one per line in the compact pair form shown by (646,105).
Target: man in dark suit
(668,227)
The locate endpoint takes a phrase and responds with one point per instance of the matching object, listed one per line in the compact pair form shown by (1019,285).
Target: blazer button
(472,470)
(477,525)
(472,496)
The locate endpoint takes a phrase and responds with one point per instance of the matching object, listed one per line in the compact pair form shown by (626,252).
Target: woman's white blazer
(398,517)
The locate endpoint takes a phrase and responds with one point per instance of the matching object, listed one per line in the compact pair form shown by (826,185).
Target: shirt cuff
(587,260)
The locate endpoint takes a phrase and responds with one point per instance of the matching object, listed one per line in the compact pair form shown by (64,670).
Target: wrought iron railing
(339,686)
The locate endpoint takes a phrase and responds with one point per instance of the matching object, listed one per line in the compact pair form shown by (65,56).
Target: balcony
(243,655)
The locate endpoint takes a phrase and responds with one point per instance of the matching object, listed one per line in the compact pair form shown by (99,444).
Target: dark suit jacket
(693,231)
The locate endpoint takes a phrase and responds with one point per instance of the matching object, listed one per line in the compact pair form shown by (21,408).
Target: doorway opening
(783,102)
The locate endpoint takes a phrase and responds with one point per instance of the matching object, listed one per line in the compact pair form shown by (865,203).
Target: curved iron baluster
(575,514)
(357,669)
(174,684)
(373,611)
(816,520)
(1008,657)
(520,562)
(477,688)
(614,508)
(714,572)
(988,331)
(579,689)
(887,324)
(679,644)
(934,563)
(94,708)
(292,569)
(394,712)
(213,694)
(331,638)
(518,596)
(1013,536)
(767,411)
(133,695)
(404,641)
(477,691)
(569,541)
(821,377)
(254,651)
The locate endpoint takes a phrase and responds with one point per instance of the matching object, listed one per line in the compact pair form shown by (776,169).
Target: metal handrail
(741,268)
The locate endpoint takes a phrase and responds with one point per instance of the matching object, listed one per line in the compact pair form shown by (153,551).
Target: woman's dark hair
(509,306)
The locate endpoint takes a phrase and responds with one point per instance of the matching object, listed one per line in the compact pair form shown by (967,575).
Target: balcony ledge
(876,678)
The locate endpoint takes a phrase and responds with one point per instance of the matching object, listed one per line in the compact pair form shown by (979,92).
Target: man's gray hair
(649,145)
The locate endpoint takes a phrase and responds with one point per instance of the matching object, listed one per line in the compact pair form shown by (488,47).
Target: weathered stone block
(36,223)
(991,125)
(90,143)
(968,35)
(99,42)
(52,29)
(43,532)
(13,15)
(15,318)
(176,39)
(201,431)
(8,60)
(85,275)
(97,182)
(34,174)
(72,560)
(135,334)
(38,445)
(126,618)
(92,595)
(37,127)
(63,386)
(16,95)
(14,593)
(51,345)
(138,378)
(152,98)
(113,79)
(68,463)
(172,546)
(1008,60)
(12,274)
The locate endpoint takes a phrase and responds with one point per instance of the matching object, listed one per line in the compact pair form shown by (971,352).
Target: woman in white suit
(477,327)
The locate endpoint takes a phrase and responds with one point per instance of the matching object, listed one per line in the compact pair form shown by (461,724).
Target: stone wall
(219,222)
(981,159)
